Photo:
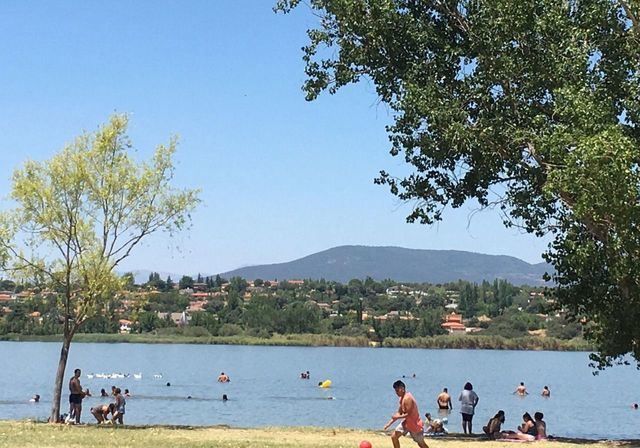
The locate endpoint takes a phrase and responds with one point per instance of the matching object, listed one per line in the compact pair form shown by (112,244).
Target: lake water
(265,389)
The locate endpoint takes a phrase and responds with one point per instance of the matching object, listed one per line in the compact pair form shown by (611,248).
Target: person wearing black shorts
(75,396)
(468,401)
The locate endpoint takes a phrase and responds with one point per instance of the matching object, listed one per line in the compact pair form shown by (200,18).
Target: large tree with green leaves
(529,106)
(78,215)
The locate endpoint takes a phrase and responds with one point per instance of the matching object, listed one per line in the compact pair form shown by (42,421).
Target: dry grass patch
(40,435)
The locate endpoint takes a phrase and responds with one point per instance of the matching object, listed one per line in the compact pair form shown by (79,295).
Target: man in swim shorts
(75,396)
(407,412)
(444,400)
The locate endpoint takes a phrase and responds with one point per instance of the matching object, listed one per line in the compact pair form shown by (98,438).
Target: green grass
(325,340)
(42,435)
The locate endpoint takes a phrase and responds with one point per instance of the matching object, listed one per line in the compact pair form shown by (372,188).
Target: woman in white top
(468,400)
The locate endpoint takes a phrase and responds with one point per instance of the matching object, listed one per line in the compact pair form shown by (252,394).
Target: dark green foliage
(529,106)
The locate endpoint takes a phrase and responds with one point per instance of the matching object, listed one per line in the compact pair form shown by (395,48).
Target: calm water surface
(265,388)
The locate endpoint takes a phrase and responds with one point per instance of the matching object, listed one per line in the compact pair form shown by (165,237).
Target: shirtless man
(410,416)
(223,378)
(444,400)
(102,412)
(75,396)
(521,390)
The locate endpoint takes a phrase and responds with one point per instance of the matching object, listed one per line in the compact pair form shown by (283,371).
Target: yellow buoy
(325,384)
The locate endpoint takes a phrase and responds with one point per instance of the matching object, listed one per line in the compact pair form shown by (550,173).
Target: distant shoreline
(323,340)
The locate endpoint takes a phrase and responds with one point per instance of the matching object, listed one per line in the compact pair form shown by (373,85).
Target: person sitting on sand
(120,408)
(492,430)
(222,378)
(546,392)
(434,426)
(540,426)
(101,412)
(526,431)
(521,390)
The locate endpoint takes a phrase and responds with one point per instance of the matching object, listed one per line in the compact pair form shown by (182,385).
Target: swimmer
(224,397)
(87,393)
(103,393)
(444,400)
(35,399)
(635,406)
(521,390)
(546,392)
(113,391)
(168,384)
(222,378)
(126,393)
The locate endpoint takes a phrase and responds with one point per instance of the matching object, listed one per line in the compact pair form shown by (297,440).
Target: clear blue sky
(281,178)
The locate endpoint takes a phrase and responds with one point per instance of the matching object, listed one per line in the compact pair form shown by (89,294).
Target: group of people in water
(407,418)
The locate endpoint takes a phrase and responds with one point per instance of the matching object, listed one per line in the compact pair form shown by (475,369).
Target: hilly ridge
(344,263)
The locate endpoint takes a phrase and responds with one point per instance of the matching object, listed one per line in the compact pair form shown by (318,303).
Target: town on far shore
(375,310)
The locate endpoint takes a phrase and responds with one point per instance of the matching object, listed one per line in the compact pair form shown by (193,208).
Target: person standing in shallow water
(410,416)
(444,400)
(546,392)
(468,401)
(521,390)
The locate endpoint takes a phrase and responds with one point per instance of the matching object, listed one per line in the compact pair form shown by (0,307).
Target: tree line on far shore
(373,309)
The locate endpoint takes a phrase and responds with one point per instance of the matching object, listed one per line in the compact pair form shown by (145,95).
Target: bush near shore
(325,340)
(41,435)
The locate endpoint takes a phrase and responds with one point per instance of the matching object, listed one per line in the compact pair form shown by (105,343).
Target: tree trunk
(57,389)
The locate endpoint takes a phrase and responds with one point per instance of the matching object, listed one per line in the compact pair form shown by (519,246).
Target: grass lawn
(42,435)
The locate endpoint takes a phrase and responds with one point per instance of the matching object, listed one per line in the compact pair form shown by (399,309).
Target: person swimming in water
(546,392)
(521,390)
(225,398)
(222,378)
(103,393)
(35,399)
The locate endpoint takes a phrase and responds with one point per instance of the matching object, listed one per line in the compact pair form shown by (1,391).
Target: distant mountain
(344,263)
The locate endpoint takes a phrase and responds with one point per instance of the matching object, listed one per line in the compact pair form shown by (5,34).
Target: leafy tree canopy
(78,215)
(530,106)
